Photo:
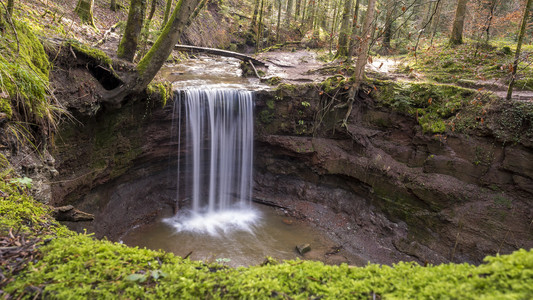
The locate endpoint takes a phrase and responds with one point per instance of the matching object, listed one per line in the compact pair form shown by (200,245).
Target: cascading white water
(217,170)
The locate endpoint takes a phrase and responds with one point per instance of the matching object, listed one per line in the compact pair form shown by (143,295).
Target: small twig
(255,70)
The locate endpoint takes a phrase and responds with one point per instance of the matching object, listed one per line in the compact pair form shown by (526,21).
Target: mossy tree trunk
(346,29)
(10,7)
(458,23)
(523,27)
(150,64)
(130,39)
(168,7)
(84,9)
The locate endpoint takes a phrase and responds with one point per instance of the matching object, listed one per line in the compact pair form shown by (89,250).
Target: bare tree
(362,58)
(523,27)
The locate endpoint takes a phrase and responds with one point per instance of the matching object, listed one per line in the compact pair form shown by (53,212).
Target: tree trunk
(113,5)
(84,9)
(130,39)
(297,11)
(168,8)
(279,21)
(458,23)
(254,17)
(489,20)
(361,58)
(365,43)
(260,26)
(523,28)
(289,12)
(346,28)
(10,7)
(387,31)
(435,22)
(353,39)
(157,55)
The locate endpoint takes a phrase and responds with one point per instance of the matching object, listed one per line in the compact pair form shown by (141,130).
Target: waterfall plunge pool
(272,234)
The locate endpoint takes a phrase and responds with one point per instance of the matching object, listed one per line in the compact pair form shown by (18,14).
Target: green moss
(274,80)
(270,104)
(24,71)
(333,83)
(164,89)
(514,122)
(94,53)
(433,105)
(18,211)
(266,116)
(5,107)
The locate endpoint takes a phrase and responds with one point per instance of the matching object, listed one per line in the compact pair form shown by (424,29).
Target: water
(273,234)
(210,71)
(216,173)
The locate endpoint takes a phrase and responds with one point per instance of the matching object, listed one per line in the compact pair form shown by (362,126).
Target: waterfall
(216,172)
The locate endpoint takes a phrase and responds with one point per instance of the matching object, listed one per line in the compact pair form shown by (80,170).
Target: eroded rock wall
(447,197)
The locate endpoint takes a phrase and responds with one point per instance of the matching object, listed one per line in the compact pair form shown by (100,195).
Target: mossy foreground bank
(70,265)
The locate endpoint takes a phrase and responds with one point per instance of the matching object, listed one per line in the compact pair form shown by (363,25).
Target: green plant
(24,182)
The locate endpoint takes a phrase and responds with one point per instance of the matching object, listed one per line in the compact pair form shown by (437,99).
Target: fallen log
(219,52)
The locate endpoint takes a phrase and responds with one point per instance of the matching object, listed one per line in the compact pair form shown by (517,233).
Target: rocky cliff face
(436,198)
(380,186)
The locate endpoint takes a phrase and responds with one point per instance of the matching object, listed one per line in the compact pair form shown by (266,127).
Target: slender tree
(130,39)
(289,12)
(84,9)
(254,16)
(260,26)
(492,8)
(458,23)
(353,39)
(113,5)
(168,8)
(387,31)
(362,57)
(523,27)
(297,10)
(10,7)
(346,29)
(279,21)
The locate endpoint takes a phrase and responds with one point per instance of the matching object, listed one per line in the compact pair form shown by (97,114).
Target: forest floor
(305,66)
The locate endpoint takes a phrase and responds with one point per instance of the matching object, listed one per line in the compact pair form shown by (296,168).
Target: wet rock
(304,248)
